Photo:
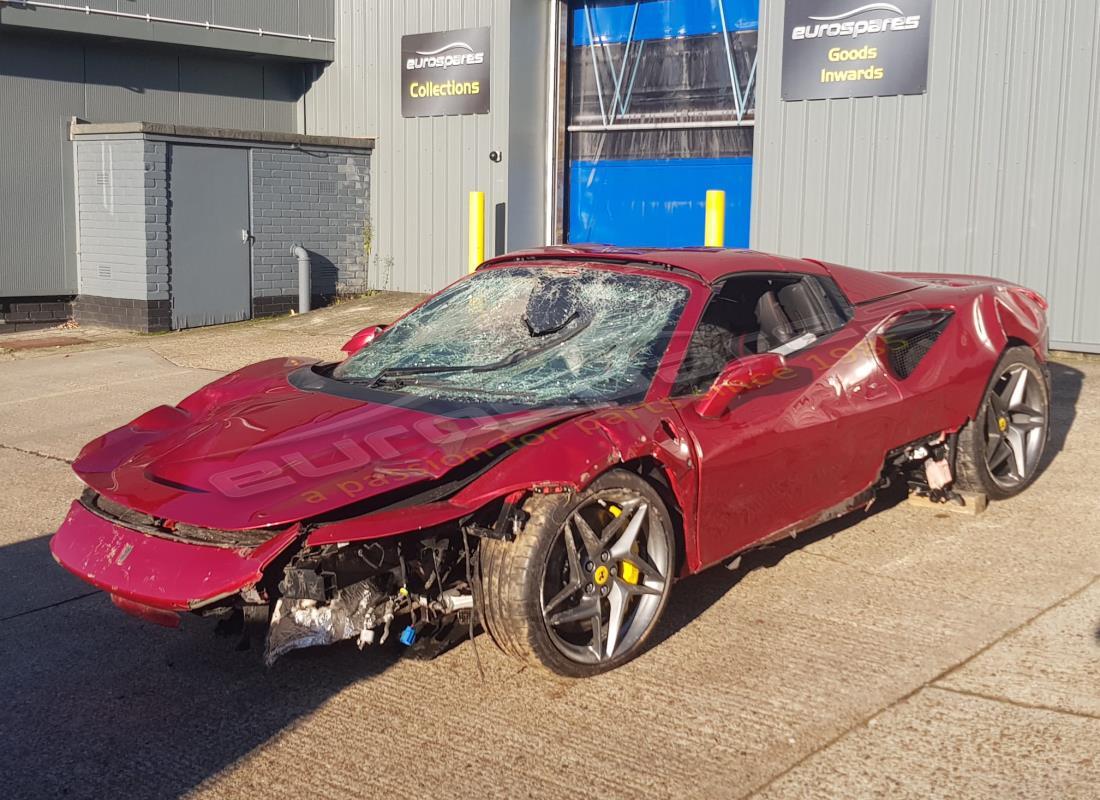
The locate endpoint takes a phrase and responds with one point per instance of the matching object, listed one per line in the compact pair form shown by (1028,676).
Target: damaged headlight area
(364,591)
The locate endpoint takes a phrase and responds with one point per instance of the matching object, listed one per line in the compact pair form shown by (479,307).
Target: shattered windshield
(529,335)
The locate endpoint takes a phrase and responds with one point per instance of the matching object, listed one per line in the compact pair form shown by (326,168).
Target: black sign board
(445,73)
(855,48)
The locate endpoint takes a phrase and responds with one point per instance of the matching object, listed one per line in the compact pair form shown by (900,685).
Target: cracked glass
(531,335)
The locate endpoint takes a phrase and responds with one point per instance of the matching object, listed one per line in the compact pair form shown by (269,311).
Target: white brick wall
(120,194)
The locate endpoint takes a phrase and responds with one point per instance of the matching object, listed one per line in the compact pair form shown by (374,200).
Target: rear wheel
(582,587)
(1000,450)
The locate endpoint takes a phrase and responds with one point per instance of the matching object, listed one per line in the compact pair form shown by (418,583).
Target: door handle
(673,441)
(670,429)
(246,236)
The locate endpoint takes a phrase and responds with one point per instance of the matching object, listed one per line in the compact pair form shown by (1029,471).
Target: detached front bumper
(157,572)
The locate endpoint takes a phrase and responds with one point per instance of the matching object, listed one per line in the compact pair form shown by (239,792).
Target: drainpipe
(303,277)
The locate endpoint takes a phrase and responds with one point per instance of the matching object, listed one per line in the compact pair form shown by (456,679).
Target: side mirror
(742,375)
(362,339)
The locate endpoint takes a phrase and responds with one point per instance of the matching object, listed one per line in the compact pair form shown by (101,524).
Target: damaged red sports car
(543,447)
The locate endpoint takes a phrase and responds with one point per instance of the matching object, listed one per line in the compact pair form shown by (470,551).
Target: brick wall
(32,313)
(122,208)
(157,265)
(317,198)
(117,196)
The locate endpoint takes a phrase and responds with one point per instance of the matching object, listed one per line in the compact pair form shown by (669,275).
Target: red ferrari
(543,447)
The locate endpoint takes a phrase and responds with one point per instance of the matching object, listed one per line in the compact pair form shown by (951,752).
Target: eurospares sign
(445,73)
(846,48)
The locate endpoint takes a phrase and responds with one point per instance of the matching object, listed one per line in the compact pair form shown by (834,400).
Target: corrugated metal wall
(994,171)
(45,81)
(303,17)
(423,169)
(37,94)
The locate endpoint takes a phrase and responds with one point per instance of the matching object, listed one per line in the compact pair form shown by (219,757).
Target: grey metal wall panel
(194,10)
(170,17)
(424,168)
(45,81)
(220,92)
(316,17)
(993,171)
(273,15)
(165,85)
(296,17)
(38,91)
(131,84)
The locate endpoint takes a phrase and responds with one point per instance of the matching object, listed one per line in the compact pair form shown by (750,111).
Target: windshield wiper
(509,360)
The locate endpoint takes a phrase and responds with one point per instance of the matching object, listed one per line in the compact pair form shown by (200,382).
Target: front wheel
(582,587)
(1000,450)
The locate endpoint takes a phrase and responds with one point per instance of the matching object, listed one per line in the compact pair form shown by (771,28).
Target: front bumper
(156,572)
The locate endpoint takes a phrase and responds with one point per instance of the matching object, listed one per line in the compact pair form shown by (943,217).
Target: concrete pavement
(901,653)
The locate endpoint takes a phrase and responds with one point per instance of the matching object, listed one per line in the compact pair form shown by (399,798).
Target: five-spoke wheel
(999,453)
(606,576)
(583,586)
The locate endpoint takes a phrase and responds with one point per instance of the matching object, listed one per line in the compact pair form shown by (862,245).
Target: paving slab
(53,406)
(943,744)
(60,374)
(39,495)
(1053,662)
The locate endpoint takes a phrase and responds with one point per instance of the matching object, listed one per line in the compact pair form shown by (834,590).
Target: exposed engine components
(344,592)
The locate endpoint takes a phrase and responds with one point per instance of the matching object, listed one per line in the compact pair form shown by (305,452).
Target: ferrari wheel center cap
(1002,423)
(600,576)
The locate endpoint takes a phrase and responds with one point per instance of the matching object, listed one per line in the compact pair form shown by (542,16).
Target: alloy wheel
(606,576)
(1015,427)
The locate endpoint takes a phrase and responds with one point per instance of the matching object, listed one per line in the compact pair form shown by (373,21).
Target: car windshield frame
(399,373)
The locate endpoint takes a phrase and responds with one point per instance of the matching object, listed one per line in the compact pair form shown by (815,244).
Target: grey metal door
(211,274)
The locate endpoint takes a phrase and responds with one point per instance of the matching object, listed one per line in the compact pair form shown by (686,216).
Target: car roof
(706,263)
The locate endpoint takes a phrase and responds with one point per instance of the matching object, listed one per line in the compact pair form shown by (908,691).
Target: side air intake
(907,341)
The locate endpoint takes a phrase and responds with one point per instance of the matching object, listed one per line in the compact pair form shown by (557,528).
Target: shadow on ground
(1066,384)
(97,704)
(692,596)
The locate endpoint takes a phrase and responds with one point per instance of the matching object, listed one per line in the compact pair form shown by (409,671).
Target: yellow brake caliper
(627,571)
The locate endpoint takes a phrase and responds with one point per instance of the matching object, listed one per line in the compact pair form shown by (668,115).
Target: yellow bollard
(477,229)
(715,234)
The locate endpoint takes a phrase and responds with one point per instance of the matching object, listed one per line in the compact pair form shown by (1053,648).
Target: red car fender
(571,456)
(1022,317)
(581,450)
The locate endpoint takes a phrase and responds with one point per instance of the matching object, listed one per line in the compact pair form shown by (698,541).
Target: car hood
(252,450)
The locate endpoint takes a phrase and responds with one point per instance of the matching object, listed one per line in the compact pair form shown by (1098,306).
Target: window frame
(832,289)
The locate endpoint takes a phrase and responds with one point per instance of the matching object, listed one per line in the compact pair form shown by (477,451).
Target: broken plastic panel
(597,336)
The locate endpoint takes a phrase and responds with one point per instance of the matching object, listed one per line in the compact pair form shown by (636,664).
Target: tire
(544,606)
(1000,450)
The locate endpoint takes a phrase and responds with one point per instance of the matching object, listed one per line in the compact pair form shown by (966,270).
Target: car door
(787,451)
